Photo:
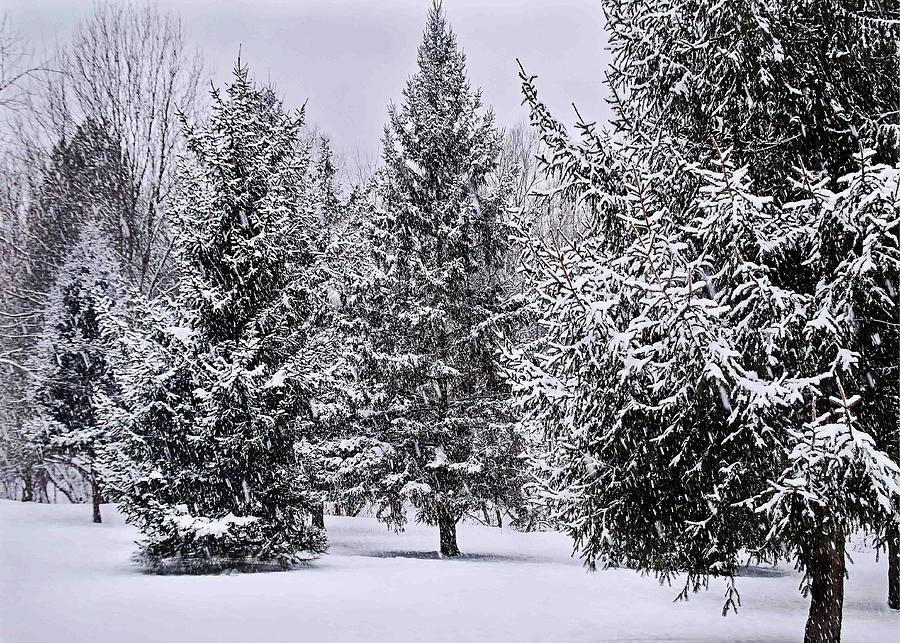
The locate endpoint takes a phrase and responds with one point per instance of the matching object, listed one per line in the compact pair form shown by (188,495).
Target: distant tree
(518,160)
(128,68)
(328,202)
(72,364)
(436,431)
(335,239)
(21,461)
(17,460)
(83,180)
(222,392)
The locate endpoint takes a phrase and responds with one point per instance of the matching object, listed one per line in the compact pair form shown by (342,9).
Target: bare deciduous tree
(128,68)
(18,67)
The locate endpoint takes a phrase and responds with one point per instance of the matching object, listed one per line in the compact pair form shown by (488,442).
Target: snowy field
(65,579)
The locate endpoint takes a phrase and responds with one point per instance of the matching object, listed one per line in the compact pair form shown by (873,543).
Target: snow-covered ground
(65,579)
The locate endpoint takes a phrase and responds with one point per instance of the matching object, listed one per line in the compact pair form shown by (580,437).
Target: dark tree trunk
(96,498)
(318,516)
(447,528)
(826,567)
(41,484)
(27,486)
(894,574)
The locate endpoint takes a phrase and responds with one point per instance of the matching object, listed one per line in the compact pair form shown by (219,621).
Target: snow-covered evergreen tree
(856,304)
(774,81)
(694,409)
(337,239)
(328,202)
(346,266)
(72,361)
(781,84)
(84,177)
(220,391)
(437,431)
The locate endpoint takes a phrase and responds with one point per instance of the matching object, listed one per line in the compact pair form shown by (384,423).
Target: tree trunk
(41,483)
(894,574)
(27,486)
(447,528)
(318,516)
(96,498)
(827,566)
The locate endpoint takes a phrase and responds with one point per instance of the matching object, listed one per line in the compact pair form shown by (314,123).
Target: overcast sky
(350,58)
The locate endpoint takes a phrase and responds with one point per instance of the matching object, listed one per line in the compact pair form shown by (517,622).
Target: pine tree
(781,84)
(72,364)
(85,179)
(437,431)
(774,81)
(856,250)
(328,202)
(336,244)
(221,389)
(695,406)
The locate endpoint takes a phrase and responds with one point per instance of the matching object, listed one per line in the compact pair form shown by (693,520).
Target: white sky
(350,58)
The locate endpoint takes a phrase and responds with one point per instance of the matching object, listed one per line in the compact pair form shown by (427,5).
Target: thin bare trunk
(41,482)
(96,498)
(27,485)
(67,492)
(318,516)
(894,574)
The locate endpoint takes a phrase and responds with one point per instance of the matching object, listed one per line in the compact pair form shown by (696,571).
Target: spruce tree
(334,239)
(328,202)
(804,88)
(347,266)
(437,431)
(72,363)
(774,81)
(220,390)
(857,255)
(701,371)
(85,179)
